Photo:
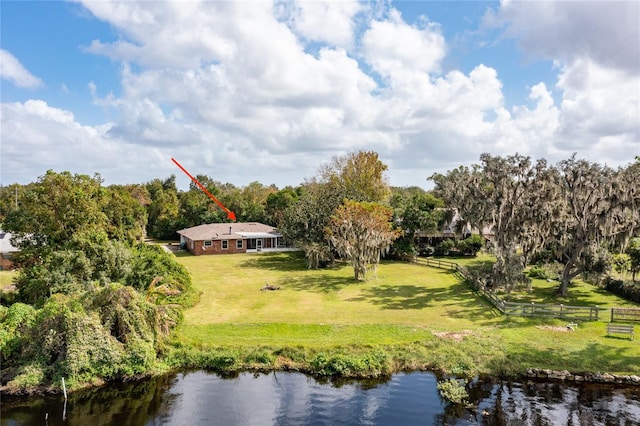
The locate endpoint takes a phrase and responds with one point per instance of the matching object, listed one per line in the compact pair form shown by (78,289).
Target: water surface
(201,398)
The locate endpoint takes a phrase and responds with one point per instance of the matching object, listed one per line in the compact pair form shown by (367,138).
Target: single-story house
(453,229)
(227,238)
(7,251)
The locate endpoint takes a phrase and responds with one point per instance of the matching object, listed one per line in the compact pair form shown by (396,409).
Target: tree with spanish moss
(358,176)
(361,232)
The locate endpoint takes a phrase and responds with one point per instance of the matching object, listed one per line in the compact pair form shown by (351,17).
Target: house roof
(5,243)
(229,231)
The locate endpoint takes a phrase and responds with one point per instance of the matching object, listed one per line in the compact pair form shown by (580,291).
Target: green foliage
(277,203)
(28,376)
(163,211)
(355,176)
(633,251)
(14,321)
(53,209)
(126,214)
(151,264)
(445,247)
(90,350)
(210,358)
(540,272)
(107,335)
(373,364)
(93,259)
(470,246)
(621,263)
(404,249)
(362,233)
(453,391)
(508,272)
(626,290)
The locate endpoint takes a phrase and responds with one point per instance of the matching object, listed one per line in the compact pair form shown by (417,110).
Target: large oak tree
(361,232)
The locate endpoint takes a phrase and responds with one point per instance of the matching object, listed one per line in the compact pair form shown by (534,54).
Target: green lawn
(422,317)
(6,278)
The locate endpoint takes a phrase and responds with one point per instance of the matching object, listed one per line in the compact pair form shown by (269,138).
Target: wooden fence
(582,313)
(625,314)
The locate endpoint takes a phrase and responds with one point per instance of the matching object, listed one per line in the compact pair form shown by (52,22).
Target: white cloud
(322,21)
(600,109)
(595,48)
(247,91)
(393,47)
(607,32)
(12,70)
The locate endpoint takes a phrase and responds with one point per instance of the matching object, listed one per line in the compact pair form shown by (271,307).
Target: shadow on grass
(183,253)
(285,261)
(318,283)
(454,301)
(579,294)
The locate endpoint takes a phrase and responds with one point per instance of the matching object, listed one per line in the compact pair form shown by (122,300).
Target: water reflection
(200,398)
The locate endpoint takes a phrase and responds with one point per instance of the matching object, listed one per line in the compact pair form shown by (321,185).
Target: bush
(625,289)
(539,272)
(14,321)
(373,364)
(453,391)
(445,247)
(152,265)
(471,245)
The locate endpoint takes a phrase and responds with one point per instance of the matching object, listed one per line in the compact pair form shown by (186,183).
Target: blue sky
(268,91)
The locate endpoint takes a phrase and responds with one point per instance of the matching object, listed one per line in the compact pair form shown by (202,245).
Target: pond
(201,398)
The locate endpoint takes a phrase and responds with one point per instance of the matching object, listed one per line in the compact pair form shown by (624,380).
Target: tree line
(576,213)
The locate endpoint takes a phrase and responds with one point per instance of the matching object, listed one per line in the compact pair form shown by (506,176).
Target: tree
(304,223)
(277,204)
(9,198)
(164,209)
(126,214)
(57,206)
(573,209)
(361,232)
(415,210)
(358,176)
(600,209)
(499,194)
(633,251)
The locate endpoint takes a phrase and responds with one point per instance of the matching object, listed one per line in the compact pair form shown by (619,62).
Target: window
(208,243)
(238,244)
(225,244)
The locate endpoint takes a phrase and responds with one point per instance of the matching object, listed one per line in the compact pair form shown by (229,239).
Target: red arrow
(230,215)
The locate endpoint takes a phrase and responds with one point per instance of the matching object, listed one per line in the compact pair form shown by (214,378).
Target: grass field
(419,317)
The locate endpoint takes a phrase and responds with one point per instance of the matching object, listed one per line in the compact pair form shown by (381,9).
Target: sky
(268,91)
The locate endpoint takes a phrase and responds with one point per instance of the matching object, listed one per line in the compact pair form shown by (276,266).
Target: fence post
(612,309)
(561,307)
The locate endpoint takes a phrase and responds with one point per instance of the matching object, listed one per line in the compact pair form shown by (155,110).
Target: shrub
(453,391)
(372,364)
(445,247)
(627,290)
(539,272)
(28,376)
(14,321)
(471,245)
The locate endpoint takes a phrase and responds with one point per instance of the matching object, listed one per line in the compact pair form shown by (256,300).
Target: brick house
(7,250)
(229,238)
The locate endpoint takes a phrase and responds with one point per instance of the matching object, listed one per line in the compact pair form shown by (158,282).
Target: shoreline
(536,374)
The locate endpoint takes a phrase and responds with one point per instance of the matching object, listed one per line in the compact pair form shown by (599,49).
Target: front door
(259,244)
